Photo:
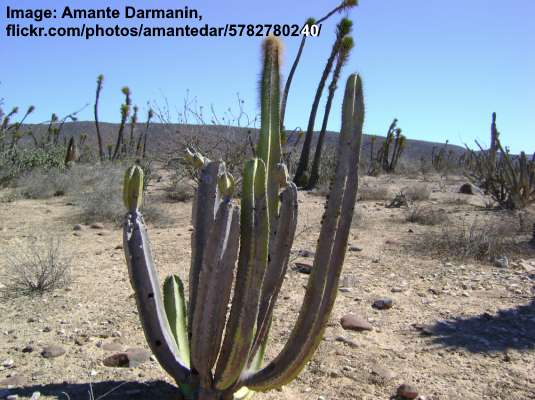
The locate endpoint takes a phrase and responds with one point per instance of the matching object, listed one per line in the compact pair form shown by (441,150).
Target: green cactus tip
(133,188)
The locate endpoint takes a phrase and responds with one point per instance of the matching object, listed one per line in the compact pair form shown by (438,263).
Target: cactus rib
(175,309)
(252,265)
(215,283)
(206,200)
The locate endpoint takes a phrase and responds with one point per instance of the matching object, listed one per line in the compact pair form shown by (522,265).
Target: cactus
(342,29)
(342,57)
(72,153)
(210,356)
(125,112)
(345,5)
(508,179)
(100,80)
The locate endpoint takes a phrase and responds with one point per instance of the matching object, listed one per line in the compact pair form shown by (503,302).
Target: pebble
(77,227)
(303,268)
(305,253)
(9,363)
(407,391)
(35,396)
(347,341)
(355,248)
(501,262)
(52,351)
(353,322)
(383,304)
(396,290)
(130,358)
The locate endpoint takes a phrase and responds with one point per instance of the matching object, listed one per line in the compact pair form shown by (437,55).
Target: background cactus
(508,179)
(210,356)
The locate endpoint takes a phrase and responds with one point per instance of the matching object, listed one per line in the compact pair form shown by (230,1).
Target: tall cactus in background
(213,357)
(342,29)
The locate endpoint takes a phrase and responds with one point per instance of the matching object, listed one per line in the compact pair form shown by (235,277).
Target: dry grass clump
(426,216)
(478,239)
(41,184)
(180,191)
(370,193)
(37,267)
(417,192)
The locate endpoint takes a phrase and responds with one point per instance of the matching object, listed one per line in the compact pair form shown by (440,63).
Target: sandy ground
(457,329)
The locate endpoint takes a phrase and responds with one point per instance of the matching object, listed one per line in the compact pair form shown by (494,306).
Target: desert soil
(456,330)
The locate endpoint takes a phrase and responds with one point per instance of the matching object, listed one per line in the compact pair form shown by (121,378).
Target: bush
(480,240)
(417,192)
(180,191)
(35,268)
(18,161)
(368,193)
(426,216)
(42,184)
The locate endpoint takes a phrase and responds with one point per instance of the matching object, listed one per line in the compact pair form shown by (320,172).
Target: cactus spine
(208,360)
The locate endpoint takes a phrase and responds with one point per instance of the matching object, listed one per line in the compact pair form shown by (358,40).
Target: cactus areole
(244,251)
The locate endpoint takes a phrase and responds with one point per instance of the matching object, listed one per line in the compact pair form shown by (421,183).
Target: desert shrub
(43,184)
(477,239)
(426,215)
(368,193)
(180,190)
(417,192)
(37,267)
(17,161)
(99,195)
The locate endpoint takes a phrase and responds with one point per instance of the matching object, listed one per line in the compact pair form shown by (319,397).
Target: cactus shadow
(510,329)
(104,390)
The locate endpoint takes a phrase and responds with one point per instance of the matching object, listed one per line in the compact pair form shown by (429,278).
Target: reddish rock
(353,322)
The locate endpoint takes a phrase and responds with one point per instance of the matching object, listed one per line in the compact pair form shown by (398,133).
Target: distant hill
(165,139)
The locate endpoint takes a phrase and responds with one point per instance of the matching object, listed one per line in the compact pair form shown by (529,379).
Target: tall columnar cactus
(212,356)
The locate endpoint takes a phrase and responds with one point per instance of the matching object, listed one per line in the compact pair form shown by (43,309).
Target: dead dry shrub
(41,184)
(417,192)
(37,267)
(99,196)
(426,216)
(479,239)
(370,193)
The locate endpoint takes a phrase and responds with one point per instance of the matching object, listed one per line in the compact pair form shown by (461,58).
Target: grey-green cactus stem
(321,288)
(204,209)
(148,298)
(100,80)
(252,263)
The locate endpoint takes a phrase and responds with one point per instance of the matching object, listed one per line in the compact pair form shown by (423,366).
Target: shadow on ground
(511,329)
(106,390)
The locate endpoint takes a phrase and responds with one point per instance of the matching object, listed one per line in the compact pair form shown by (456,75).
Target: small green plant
(213,357)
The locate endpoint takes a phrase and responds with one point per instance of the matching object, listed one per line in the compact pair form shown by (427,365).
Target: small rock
(35,396)
(396,290)
(47,329)
(354,248)
(77,234)
(12,397)
(303,268)
(77,227)
(406,391)
(354,323)
(52,351)
(501,262)
(116,334)
(119,247)
(27,349)
(305,253)
(9,363)
(131,358)
(383,304)
(381,376)
(97,225)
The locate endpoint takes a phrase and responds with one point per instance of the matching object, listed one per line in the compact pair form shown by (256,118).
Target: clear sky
(440,67)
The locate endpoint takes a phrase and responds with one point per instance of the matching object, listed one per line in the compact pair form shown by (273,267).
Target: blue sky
(440,67)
